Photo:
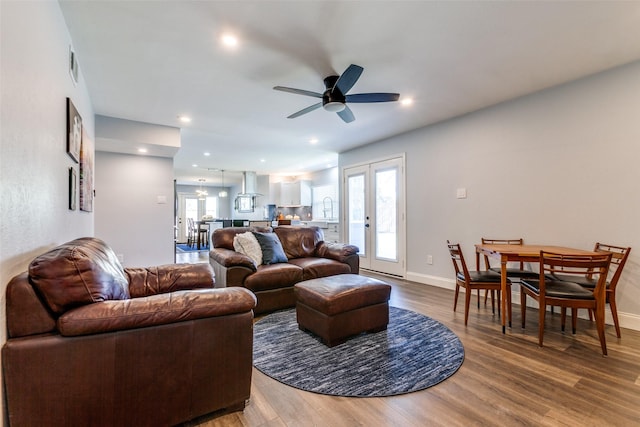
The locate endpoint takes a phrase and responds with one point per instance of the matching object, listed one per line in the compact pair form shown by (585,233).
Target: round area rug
(414,353)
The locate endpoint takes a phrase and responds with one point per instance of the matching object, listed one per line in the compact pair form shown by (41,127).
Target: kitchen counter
(330,228)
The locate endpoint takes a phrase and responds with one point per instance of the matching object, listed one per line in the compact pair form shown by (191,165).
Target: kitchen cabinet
(332,232)
(330,229)
(296,193)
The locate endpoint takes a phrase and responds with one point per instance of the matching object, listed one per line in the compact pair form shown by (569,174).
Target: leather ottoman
(336,308)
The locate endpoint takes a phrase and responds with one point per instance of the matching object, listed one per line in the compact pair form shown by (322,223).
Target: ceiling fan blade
(305,110)
(348,78)
(372,97)
(346,115)
(298,91)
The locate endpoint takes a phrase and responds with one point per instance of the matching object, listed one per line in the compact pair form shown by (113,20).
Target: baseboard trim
(627,320)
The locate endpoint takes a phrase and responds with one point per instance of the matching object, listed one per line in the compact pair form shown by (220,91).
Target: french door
(375,214)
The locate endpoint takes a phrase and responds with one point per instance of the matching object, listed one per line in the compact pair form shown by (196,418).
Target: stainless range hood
(246,200)
(249,184)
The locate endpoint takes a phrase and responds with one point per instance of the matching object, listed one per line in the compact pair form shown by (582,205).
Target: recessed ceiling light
(194,165)
(184,119)
(262,160)
(207,153)
(406,102)
(142,150)
(229,40)
(313,141)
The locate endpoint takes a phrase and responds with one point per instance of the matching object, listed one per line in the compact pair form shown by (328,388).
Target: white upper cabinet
(296,193)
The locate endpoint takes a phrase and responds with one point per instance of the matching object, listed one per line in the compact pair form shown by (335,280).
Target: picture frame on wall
(74,131)
(73,188)
(73,66)
(86,173)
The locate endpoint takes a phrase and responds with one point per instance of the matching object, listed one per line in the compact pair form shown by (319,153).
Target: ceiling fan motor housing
(332,99)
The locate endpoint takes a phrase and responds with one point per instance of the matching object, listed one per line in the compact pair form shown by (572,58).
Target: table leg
(198,238)
(503,292)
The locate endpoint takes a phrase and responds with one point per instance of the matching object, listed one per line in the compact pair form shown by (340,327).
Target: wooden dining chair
(195,232)
(471,280)
(619,257)
(513,272)
(548,290)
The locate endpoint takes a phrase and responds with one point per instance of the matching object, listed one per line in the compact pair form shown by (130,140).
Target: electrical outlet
(429,259)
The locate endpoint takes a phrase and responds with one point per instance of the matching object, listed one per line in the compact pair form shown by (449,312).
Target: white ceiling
(153,61)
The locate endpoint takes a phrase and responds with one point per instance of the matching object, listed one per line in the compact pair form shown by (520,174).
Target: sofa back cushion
(299,242)
(77,273)
(223,237)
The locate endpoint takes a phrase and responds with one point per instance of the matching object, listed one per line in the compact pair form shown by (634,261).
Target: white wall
(558,167)
(34,83)
(128,215)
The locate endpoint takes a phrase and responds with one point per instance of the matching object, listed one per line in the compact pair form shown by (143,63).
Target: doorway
(375,214)
(194,207)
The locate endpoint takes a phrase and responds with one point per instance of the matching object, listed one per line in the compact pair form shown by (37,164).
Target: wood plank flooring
(505,380)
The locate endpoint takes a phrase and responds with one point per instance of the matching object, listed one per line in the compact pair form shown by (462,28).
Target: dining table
(524,253)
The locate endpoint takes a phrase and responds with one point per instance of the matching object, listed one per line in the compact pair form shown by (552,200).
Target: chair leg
(614,313)
(574,320)
(493,302)
(563,317)
(541,315)
(455,297)
(467,302)
(599,313)
(478,299)
(523,307)
(509,305)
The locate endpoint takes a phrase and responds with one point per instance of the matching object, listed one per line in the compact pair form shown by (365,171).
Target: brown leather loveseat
(92,343)
(308,257)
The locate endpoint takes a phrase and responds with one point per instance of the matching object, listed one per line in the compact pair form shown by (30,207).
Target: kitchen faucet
(325,208)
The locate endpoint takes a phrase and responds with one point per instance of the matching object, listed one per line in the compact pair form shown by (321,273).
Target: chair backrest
(486,241)
(582,265)
(619,257)
(458,260)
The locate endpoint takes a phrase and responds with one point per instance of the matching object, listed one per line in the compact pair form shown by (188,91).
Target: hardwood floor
(505,380)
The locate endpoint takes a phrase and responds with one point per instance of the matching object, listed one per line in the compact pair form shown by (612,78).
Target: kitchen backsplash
(304,212)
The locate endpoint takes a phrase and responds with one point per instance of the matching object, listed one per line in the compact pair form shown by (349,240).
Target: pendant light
(201,193)
(223,193)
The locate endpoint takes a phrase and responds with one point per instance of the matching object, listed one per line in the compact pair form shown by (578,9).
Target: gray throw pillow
(272,251)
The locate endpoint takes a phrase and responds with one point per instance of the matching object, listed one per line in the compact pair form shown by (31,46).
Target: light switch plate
(461,193)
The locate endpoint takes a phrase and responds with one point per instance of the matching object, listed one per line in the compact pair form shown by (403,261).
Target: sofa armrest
(168,278)
(228,258)
(179,306)
(342,252)
(338,251)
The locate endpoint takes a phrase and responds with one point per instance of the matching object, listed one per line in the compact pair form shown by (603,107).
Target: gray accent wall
(558,167)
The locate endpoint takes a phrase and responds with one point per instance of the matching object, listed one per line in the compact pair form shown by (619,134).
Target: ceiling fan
(335,98)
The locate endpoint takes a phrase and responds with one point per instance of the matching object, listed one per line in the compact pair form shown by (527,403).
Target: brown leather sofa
(309,257)
(92,343)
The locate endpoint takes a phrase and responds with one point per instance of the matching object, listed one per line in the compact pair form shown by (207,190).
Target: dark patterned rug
(414,353)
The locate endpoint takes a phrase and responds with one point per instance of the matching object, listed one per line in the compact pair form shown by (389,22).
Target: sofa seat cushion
(313,268)
(274,276)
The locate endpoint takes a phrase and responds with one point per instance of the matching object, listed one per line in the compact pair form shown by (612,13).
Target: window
(211,207)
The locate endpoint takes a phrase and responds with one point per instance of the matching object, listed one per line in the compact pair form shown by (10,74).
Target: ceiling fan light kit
(335,98)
